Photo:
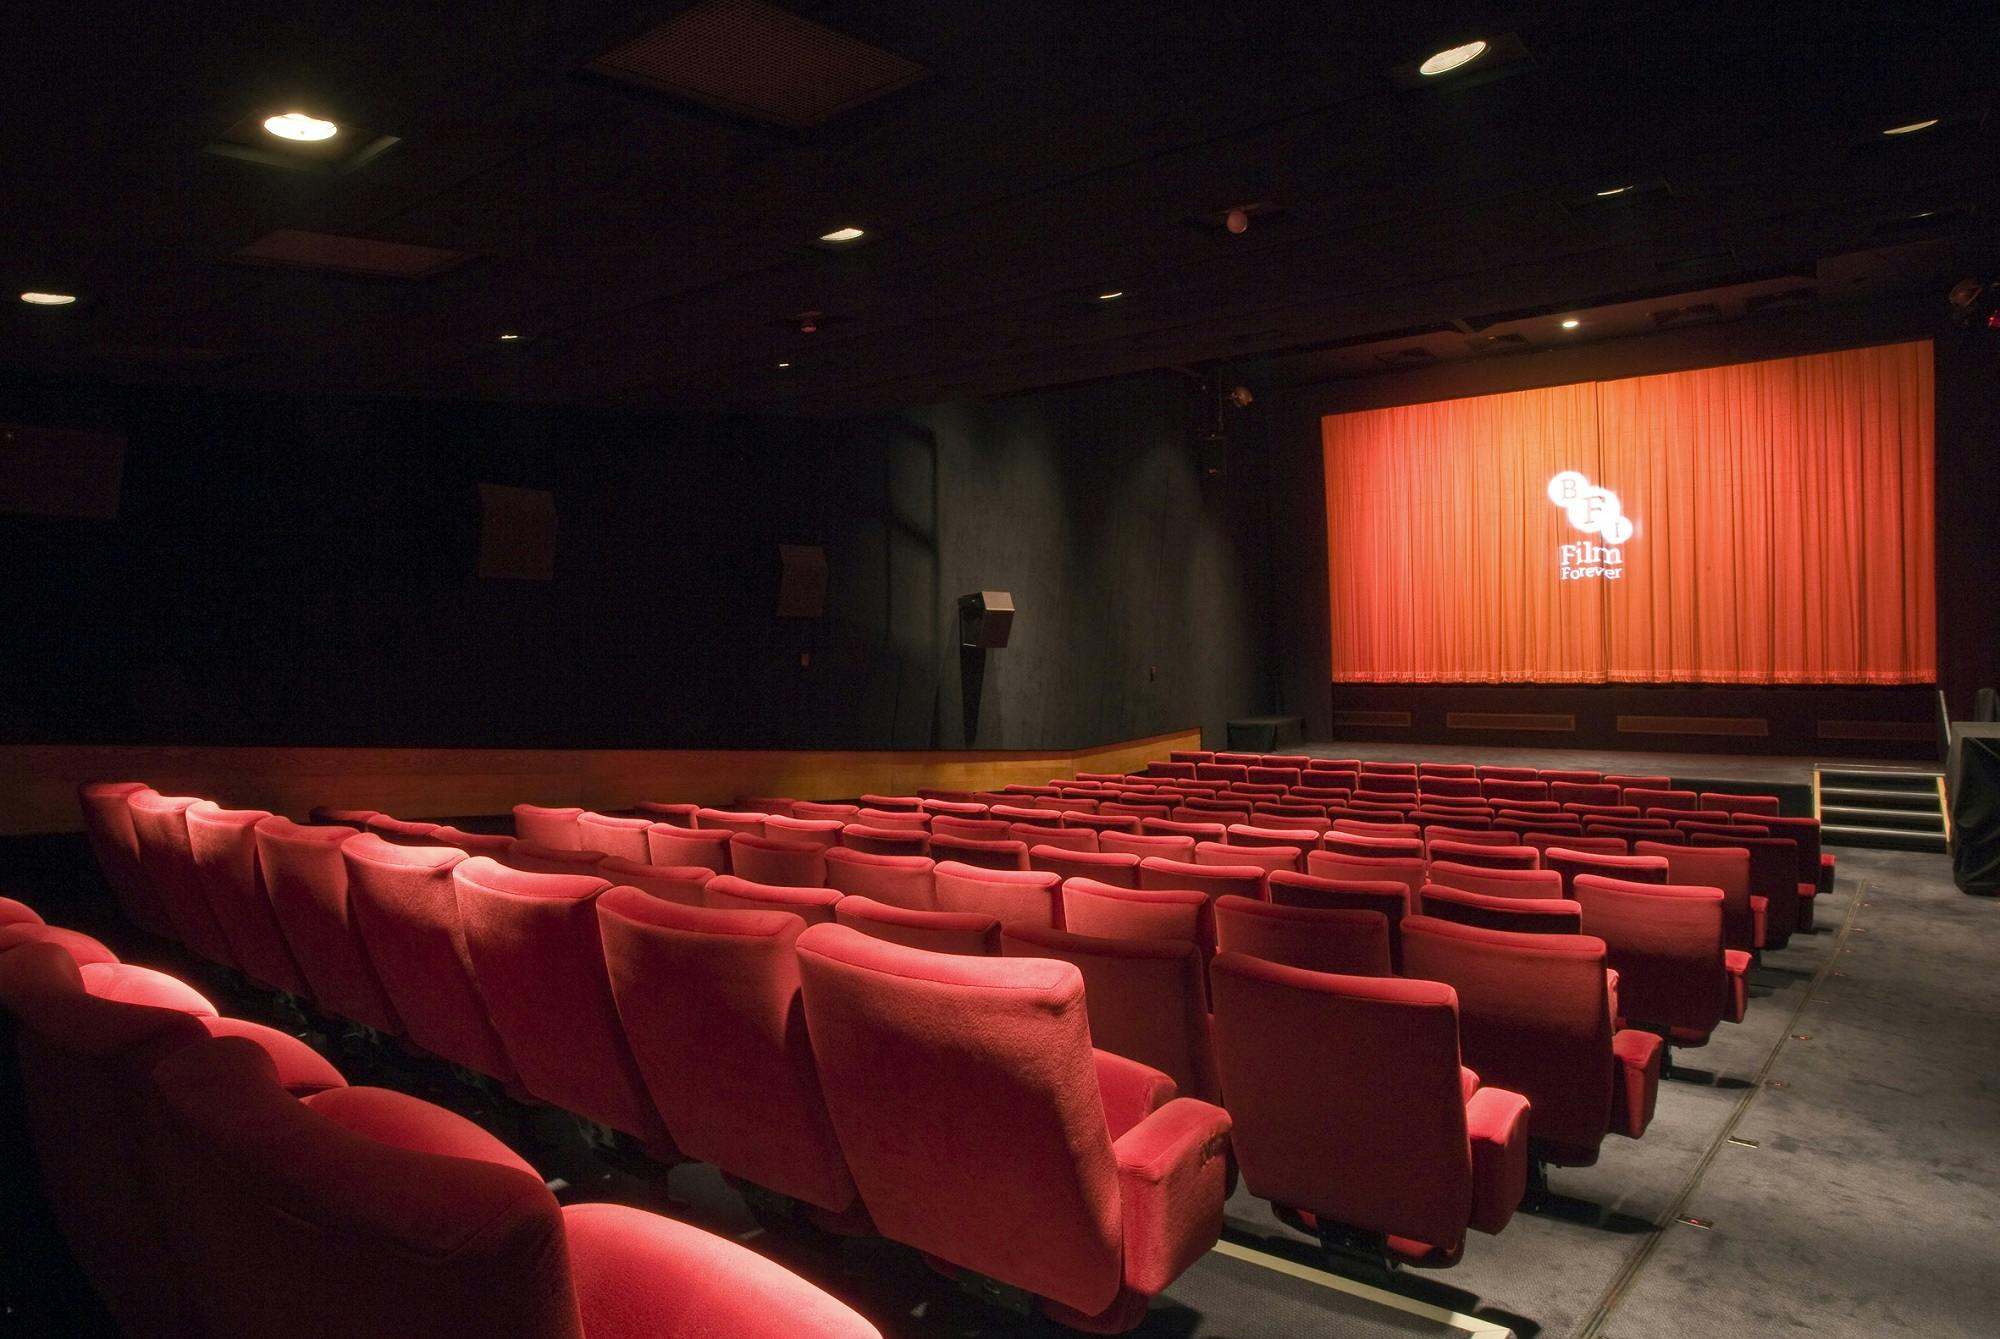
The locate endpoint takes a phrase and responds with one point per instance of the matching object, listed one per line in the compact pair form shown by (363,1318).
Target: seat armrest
(302,1071)
(1496,1121)
(641,1276)
(1129,1090)
(1611,994)
(1170,1187)
(1760,918)
(1736,1000)
(1635,1081)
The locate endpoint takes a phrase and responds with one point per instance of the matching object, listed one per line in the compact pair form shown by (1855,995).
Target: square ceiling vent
(365,256)
(755,60)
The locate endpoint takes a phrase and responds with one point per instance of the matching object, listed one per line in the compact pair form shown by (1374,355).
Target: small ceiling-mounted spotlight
(1240,396)
(1237,220)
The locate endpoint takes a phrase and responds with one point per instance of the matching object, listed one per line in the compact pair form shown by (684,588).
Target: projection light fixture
(300,127)
(34,299)
(843,235)
(1451,58)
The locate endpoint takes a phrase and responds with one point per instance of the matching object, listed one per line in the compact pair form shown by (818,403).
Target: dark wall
(1968,449)
(304,571)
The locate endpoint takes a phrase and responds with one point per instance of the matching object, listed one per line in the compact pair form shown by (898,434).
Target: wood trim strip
(1694,725)
(1553,721)
(1393,720)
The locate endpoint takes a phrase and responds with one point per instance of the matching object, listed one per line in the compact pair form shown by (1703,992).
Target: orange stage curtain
(1780,520)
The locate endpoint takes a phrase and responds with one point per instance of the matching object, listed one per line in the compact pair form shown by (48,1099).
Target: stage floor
(1781,771)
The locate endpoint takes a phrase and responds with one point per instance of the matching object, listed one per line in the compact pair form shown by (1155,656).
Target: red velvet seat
(1634,829)
(15,912)
(1190,755)
(771,806)
(904,803)
(932,1064)
(1774,863)
(1001,854)
(728,820)
(1724,867)
(223,845)
(893,820)
(533,943)
(1109,867)
(820,832)
(1185,769)
(1571,792)
(1199,830)
(674,883)
(1103,911)
(970,829)
(1164,845)
(82,949)
(1665,941)
(675,815)
(307,881)
(1739,804)
(769,860)
(670,845)
(1816,868)
(1102,822)
(1488,835)
(1570,862)
(1523,883)
(1484,856)
(1032,897)
(1319,939)
(410,832)
(406,910)
(622,837)
(1449,787)
(365,1213)
(1657,797)
(839,812)
(1372,827)
(1020,813)
(934,931)
(490,844)
(1051,834)
(1499,911)
(1511,792)
(900,880)
(885,841)
(1573,777)
(1231,856)
(710,1003)
(107,821)
(1644,782)
(1351,1106)
(1213,880)
(1273,835)
(534,858)
(1215,771)
(548,827)
(1543,841)
(1406,870)
(729,892)
(160,824)
(1535,1015)
(1391,899)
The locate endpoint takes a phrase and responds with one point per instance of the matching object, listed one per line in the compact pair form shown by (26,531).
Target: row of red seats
(217,1177)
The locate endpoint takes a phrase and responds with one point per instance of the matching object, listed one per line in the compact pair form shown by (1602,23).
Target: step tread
(1857,816)
(1898,780)
(1885,799)
(1842,834)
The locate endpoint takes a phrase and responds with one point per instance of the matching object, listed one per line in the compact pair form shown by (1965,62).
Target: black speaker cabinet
(517,533)
(985,618)
(1972,779)
(801,581)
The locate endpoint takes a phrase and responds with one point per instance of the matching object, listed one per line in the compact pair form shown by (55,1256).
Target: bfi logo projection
(1595,511)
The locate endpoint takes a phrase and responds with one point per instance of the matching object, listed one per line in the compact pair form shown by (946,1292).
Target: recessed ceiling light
(1911,128)
(782,366)
(1114,293)
(1451,58)
(1571,324)
(34,299)
(843,235)
(1612,190)
(508,339)
(299,126)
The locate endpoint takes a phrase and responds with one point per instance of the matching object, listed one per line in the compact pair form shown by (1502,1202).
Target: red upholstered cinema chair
(1480,836)
(1272,834)
(1570,862)
(160,824)
(365,1213)
(1568,776)
(1200,830)
(1240,758)
(1184,915)
(729,893)
(1816,867)
(1170,769)
(1021,813)
(934,931)
(1049,834)
(1456,770)
(1165,845)
(912,804)
(1723,867)
(1318,939)
(1101,821)
(1191,755)
(1739,804)
(1118,869)
(1656,797)
(1450,787)
(1384,768)
(1214,880)
(1001,854)
(764,860)
(1363,1125)
(710,1002)
(1139,809)
(1263,857)
(622,837)
(1109,1187)
(1013,897)
(20,925)
(1518,883)
(1341,842)
(223,843)
(82,1053)
(1675,978)
(1635,829)
(1406,870)
(900,880)
(673,815)
(821,832)
(1275,776)
(667,844)
(407,831)
(673,883)
(402,902)
(1374,827)
(885,841)
(1490,773)
(1489,911)
(1391,899)
(1215,771)
(536,859)
(1535,1014)
(1576,792)
(533,944)
(1147,1000)
(1484,855)
(1774,863)
(1544,841)
(813,809)
(307,882)
(1644,782)
(895,820)
(548,827)
(728,820)
(973,829)
(1514,792)
(491,844)
(107,821)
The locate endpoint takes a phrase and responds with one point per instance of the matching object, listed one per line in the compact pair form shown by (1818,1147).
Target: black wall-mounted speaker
(985,619)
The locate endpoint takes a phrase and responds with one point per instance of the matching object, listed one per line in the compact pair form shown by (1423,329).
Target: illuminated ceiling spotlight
(783,366)
(1571,323)
(1111,295)
(36,299)
(300,127)
(1610,191)
(848,234)
(1451,58)
(1911,127)
(508,338)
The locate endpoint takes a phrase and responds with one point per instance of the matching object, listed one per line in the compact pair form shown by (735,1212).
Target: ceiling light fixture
(843,235)
(1571,324)
(1451,58)
(783,366)
(508,339)
(34,299)
(1114,293)
(1611,191)
(1911,128)
(298,126)
(1237,220)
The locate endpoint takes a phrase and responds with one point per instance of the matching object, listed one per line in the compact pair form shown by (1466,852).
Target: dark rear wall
(304,572)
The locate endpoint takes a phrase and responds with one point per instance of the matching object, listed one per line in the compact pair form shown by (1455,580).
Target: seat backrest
(815,810)
(1655,797)
(1393,899)
(406,910)
(896,820)
(1569,776)
(1147,1000)
(1665,942)
(1198,831)
(409,831)
(1229,855)
(1461,787)
(821,832)
(1002,854)
(1370,827)
(711,1007)
(1804,831)
(667,844)
(931,1063)
(1318,939)
(1526,915)
(1054,834)
(307,881)
(769,860)
(165,854)
(359,1211)
(1017,813)
(1542,841)
(1102,822)
(1111,867)
(969,829)
(1103,911)
(223,843)
(1524,883)
(548,827)
(909,804)
(768,805)
(1214,880)
(1346,1096)
(472,843)
(1032,897)
(1575,792)
(1724,867)
(1633,868)
(1774,865)
(675,883)
(678,815)
(900,880)
(728,820)
(107,821)
(1514,790)
(533,943)
(1645,782)
(936,931)
(1406,870)
(1739,804)
(622,837)
(1485,856)
(1534,1017)
(535,858)
(885,841)
(733,893)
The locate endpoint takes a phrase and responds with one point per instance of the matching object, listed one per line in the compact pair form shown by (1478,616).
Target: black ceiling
(650,252)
